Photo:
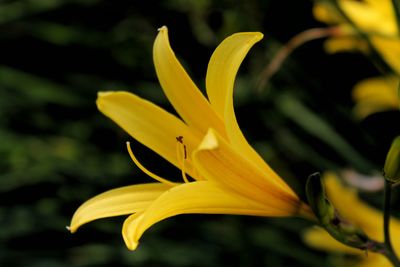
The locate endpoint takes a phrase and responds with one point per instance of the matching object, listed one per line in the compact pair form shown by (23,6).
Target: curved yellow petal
(218,162)
(197,197)
(374,260)
(345,43)
(375,95)
(366,217)
(320,239)
(221,74)
(325,12)
(115,202)
(223,66)
(358,212)
(183,94)
(149,124)
(367,17)
(389,49)
(376,19)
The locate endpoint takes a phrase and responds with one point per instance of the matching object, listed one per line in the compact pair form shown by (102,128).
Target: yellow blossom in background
(352,208)
(222,173)
(376,95)
(375,18)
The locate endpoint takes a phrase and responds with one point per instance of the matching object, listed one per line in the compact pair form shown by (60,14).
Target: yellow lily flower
(375,18)
(376,95)
(227,174)
(367,218)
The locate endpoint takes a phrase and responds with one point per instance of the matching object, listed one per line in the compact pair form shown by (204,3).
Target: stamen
(181,151)
(146,171)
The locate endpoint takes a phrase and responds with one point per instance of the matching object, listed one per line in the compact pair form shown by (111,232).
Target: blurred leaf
(36,89)
(320,129)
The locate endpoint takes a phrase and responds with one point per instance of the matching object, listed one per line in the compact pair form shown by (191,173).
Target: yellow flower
(376,95)
(356,211)
(376,18)
(227,174)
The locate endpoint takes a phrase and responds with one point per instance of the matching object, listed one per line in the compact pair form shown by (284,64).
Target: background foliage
(57,150)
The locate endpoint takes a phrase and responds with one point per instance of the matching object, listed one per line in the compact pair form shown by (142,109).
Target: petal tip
(103,95)
(162,29)
(258,35)
(71,229)
(132,246)
(210,141)
(74,225)
(129,242)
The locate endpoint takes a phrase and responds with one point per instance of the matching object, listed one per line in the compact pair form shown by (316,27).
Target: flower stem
(389,251)
(396,7)
(293,44)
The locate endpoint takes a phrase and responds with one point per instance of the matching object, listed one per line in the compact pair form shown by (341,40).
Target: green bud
(391,170)
(330,219)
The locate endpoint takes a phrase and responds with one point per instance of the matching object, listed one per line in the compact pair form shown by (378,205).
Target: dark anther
(179,139)
(335,221)
(184,152)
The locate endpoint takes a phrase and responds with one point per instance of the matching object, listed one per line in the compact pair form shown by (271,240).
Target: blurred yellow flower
(375,18)
(359,213)
(227,174)
(376,95)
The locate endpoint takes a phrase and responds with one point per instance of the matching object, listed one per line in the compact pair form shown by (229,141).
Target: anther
(180,140)
(179,147)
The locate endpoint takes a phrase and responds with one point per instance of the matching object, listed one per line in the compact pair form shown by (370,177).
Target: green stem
(396,7)
(389,251)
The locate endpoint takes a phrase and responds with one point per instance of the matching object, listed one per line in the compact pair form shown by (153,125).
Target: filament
(146,171)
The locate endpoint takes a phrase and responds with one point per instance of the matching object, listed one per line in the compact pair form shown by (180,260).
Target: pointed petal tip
(129,242)
(162,29)
(131,245)
(256,36)
(72,228)
(103,95)
(210,141)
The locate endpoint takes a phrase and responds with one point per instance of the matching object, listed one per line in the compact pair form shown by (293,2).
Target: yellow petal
(320,239)
(221,73)
(197,197)
(376,95)
(371,18)
(359,213)
(223,66)
(217,162)
(374,260)
(148,124)
(115,202)
(345,43)
(389,49)
(183,94)
(325,12)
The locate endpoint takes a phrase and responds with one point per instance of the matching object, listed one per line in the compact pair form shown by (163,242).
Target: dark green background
(57,150)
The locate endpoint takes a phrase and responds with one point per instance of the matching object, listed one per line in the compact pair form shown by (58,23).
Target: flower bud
(391,170)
